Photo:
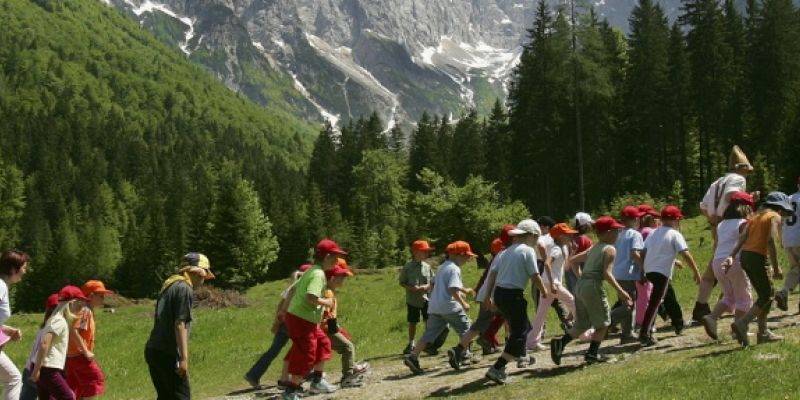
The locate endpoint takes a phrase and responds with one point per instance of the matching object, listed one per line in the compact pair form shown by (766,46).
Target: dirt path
(389,378)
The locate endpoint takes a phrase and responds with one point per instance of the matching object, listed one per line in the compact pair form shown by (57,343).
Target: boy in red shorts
(84,376)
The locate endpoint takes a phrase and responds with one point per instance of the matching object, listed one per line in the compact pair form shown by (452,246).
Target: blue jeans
(278,342)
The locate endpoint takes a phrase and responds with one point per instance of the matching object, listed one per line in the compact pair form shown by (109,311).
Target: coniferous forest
(118,155)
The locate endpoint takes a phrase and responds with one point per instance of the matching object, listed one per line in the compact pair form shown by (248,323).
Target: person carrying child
(447,306)
(591,301)
(352,373)
(757,241)
(84,376)
(660,250)
(48,369)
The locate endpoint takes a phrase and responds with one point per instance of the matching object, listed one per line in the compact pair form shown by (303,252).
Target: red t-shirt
(583,242)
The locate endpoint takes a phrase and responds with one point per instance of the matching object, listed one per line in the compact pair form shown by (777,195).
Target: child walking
(29,389)
(352,373)
(756,243)
(13,266)
(627,270)
(791,242)
(84,376)
(447,306)
(562,235)
(660,250)
(736,293)
(48,369)
(649,222)
(416,277)
(583,223)
(591,302)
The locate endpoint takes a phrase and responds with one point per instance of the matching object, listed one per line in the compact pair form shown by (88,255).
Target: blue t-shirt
(625,269)
(441,301)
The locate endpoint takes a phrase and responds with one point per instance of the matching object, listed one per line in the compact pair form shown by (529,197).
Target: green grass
(225,343)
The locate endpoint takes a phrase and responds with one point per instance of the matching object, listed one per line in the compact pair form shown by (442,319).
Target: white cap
(582,219)
(526,226)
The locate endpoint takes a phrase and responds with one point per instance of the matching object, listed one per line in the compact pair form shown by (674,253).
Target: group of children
(61,365)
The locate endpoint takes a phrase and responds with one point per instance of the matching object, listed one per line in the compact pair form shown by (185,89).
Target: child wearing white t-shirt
(553,275)
(791,242)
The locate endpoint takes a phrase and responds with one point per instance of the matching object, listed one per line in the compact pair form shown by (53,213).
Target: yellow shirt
(758,230)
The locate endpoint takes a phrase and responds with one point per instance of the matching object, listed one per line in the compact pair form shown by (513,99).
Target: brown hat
(738,160)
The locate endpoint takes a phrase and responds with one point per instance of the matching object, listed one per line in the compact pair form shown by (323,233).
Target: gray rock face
(346,58)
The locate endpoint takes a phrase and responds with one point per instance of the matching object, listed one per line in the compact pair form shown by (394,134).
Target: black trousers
(169,386)
(755,266)
(512,304)
(662,290)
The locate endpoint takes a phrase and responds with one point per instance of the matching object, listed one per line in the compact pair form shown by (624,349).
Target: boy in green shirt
(416,277)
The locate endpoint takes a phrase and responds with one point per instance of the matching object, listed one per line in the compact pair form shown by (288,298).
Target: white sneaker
(322,387)
(537,347)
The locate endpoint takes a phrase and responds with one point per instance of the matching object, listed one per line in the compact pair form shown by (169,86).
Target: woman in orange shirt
(756,242)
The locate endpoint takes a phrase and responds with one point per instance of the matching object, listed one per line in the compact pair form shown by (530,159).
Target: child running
(591,302)
(515,267)
(583,223)
(562,235)
(352,373)
(660,250)
(84,376)
(447,306)
(758,240)
(48,369)
(29,389)
(791,242)
(736,293)
(416,277)
(311,347)
(627,270)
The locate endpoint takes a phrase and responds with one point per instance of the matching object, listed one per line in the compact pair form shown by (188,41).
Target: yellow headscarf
(176,278)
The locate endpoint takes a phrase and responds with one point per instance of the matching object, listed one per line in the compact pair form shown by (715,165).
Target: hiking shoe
(360,368)
(782,300)
(408,349)
(679,328)
(537,347)
(556,350)
(700,310)
(322,387)
(740,333)
(768,337)
(623,340)
(595,358)
(648,341)
(525,361)
(710,324)
(497,376)
(486,347)
(412,362)
(351,381)
(455,357)
(252,382)
(290,396)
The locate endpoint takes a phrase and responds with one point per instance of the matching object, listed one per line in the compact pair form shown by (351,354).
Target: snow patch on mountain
(149,6)
(326,115)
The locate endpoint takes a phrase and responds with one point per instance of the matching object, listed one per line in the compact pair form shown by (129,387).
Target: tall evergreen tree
(467,148)
(423,150)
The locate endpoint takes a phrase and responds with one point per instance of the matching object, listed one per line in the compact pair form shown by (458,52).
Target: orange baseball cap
(562,229)
(497,246)
(94,287)
(460,247)
(341,269)
(421,245)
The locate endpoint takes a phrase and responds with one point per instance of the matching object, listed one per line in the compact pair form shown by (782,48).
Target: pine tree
(467,149)
(423,152)
(497,149)
(323,169)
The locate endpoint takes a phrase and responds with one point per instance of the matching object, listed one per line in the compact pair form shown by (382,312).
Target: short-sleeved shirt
(483,291)
(758,230)
(416,273)
(625,267)
(724,186)
(727,237)
(56,357)
(791,225)
(5,304)
(312,282)
(559,255)
(547,242)
(594,267)
(174,304)
(85,326)
(441,301)
(516,267)
(662,246)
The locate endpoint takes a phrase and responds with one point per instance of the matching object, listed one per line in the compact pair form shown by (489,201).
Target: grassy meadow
(225,343)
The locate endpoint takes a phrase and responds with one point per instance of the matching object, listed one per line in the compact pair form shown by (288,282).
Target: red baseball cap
(743,197)
(647,209)
(340,269)
(671,212)
(327,246)
(93,286)
(631,212)
(421,245)
(504,236)
(561,229)
(497,246)
(605,224)
(70,292)
(52,301)
(460,247)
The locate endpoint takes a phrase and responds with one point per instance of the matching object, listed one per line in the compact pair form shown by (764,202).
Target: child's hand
(625,297)
(465,306)
(553,288)
(35,375)
(15,334)
(727,263)
(697,278)
(183,368)
(469,291)
(89,355)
